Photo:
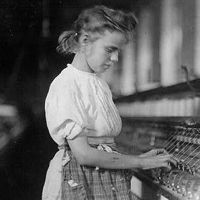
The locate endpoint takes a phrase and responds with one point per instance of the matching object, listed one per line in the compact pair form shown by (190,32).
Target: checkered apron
(92,183)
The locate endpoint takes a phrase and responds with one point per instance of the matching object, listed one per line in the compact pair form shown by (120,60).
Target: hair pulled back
(95,20)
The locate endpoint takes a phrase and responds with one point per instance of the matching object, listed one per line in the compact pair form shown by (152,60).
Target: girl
(82,118)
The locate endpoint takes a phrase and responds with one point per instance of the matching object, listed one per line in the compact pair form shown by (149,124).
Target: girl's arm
(87,155)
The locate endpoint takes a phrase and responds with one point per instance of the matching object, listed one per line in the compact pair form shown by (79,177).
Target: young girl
(82,118)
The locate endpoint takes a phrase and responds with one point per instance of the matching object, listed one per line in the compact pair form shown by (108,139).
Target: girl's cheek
(106,55)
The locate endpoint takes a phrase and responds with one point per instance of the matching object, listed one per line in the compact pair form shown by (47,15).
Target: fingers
(154,152)
(164,160)
(161,151)
(169,157)
(169,161)
(174,161)
(167,166)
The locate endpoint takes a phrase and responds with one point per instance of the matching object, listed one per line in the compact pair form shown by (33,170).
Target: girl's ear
(84,39)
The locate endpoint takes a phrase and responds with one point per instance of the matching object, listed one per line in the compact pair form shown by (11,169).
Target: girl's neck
(80,63)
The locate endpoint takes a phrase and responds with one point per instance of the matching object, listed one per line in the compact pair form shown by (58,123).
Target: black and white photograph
(99,100)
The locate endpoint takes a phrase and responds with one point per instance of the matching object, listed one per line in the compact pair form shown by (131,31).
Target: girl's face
(102,53)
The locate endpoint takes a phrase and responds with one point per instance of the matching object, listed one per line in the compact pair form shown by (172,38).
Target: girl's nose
(114,56)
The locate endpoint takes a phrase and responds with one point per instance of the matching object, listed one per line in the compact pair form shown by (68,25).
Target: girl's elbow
(83,159)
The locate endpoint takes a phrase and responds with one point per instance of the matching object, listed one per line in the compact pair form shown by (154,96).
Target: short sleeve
(64,112)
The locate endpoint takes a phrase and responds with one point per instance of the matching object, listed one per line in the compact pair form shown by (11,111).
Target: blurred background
(165,52)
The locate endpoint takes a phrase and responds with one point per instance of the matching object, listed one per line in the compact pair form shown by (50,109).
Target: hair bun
(66,42)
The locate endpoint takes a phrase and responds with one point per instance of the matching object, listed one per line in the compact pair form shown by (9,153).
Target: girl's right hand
(160,160)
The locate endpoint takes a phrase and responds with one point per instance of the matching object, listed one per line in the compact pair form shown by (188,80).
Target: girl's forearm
(110,160)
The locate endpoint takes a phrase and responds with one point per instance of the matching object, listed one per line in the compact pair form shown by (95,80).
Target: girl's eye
(112,50)
(109,50)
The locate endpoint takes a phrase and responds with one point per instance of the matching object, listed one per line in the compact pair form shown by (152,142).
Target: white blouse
(78,102)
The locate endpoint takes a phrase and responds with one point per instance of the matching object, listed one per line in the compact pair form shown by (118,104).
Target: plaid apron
(92,183)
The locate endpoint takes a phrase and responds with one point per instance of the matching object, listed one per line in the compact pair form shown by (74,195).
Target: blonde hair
(96,20)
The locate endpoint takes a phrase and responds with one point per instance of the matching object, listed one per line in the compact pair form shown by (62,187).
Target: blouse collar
(80,71)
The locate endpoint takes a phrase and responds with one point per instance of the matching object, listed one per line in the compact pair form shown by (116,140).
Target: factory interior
(155,86)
